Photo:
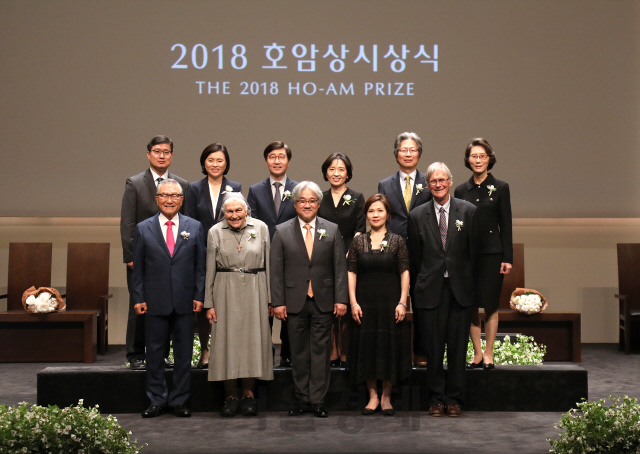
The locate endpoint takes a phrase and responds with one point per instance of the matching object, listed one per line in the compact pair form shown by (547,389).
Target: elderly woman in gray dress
(237,298)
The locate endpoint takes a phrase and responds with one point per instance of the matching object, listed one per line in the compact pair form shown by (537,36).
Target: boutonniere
(185,234)
(459,224)
(322,233)
(227,188)
(419,189)
(491,188)
(383,245)
(253,234)
(286,195)
(347,199)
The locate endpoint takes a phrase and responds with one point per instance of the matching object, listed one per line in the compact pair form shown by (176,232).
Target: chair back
(87,275)
(628,268)
(29,265)
(515,278)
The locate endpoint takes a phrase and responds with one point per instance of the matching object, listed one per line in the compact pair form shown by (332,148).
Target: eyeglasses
(161,152)
(408,150)
(481,157)
(170,196)
(311,202)
(440,182)
(274,158)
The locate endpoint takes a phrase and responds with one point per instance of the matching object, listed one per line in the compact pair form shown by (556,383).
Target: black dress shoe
(137,364)
(475,365)
(300,408)
(389,412)
(181,411)
(320,412)
(168,364)
(248,406)
(369,411)
(488,366)
(335,362)
(230,407)
(285,362)
(152,411)
(202,365)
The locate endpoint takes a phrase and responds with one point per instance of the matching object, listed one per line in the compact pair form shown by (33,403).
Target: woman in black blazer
(203,202)
(493,218)
(345,207)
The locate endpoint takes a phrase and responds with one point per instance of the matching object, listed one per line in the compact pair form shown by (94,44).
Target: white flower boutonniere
(227,188)
(347,199)
(253,234)
(491,188)
(419,189)
(322,233)
(459,224)
(286,195)
(383,245)
(184,234)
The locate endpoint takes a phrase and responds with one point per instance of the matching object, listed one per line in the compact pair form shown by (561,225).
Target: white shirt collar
(283,181)
(413,174)
(163,220)
(446,206)
(156,176)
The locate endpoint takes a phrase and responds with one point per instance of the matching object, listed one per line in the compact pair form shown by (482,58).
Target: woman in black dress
(203,202)
(344,207)
(493,214)
(378,264)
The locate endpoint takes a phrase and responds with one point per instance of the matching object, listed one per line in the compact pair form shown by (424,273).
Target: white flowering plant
(523,352)
(597,427)
(41,303)
(29,428)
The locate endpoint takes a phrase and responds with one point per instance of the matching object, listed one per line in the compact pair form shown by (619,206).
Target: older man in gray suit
(309,287)
(138,204)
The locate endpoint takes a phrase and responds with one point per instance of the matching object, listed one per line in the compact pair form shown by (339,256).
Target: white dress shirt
(163,225)
(273,188)
(446,207)
(156,176)
(313,228)
(403,180)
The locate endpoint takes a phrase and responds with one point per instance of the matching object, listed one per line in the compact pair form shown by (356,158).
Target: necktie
(407,192)
(171,242)
(277,198)
(308,241)
(443,227)
(158,181)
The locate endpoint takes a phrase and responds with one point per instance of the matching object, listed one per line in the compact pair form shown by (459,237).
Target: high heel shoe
(488,366)
(479,365)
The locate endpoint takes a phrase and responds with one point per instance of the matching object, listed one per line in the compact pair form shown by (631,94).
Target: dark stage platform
(507,388)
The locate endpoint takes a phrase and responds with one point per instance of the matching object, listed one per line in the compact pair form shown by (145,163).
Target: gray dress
(241,339)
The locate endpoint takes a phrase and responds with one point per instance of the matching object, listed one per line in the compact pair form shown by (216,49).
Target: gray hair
(407,136)
(229,196)
(297,191)
(167,182)
(438,166)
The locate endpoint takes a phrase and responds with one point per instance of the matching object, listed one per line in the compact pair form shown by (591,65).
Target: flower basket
(59,307)
(527,309)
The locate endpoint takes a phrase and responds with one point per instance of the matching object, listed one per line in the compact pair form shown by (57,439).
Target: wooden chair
(88,284)
(514,279)
(629,296)
(29,265)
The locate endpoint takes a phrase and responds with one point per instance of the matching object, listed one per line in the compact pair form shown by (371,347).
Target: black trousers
(310,335)
(447,324)
(135,327)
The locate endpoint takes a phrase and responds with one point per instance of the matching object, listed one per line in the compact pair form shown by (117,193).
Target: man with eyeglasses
(169,253)
(138,204)
(270,201)
(309,287)
(406,189)
(441,243)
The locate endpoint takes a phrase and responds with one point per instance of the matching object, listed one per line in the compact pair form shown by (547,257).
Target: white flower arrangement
(286,195)
(322,233)
(383,245)
(184,234)
(253,234)
(529,302)
(459,224)
(491,188)
(419,189)
(523,352)
(347,199)
(227,188)
(44,303)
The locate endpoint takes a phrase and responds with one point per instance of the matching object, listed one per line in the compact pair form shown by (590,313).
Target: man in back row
(139,203)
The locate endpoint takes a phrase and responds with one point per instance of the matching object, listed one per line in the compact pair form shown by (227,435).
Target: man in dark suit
(169,253)
(138,204)
(406,189)
(309,287)
(270,201)
(441,236)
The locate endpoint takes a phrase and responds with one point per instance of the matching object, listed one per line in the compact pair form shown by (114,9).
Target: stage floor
(609,372)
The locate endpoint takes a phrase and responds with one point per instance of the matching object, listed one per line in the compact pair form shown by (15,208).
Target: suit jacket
(429,261)
(198,204)
(391,188)
(260,200)
(350,218)
(291,267)
(138,204)
(493,215)
(167,283)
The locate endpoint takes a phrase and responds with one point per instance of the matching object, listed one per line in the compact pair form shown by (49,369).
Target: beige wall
(571,261)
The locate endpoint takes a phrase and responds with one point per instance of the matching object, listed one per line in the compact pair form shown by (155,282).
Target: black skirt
(488,281)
